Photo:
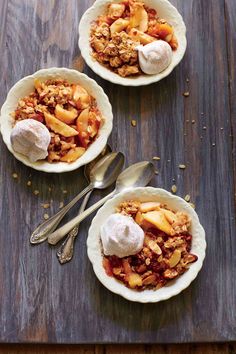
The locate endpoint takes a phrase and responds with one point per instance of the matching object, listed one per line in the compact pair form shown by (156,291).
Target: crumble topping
(164,256)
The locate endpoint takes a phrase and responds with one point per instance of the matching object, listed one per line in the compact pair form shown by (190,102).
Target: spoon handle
(57,235)
(65,253)
(40,234)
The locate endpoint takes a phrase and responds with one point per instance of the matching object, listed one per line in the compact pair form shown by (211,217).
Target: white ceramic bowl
(26,85)
(164,9)
(173,287)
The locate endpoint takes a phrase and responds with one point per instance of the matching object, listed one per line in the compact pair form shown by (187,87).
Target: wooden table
(120,349)
(197,131)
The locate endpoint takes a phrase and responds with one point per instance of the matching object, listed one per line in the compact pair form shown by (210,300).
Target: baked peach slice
(139,219)
(119,25)
(115,11)
(59,127)
(173,42)
(162,31)
(73,154)
(170,216)
(158,219)
(38,85)
(138,16)
(87,125)
(141,37)
(134,279)
(149,206)
(93,124)
(66,115)
(81,97)
(82,126)
(107,266)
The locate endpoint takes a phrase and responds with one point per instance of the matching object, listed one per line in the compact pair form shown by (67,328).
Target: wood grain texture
(230,17)
(119,349)
(42,301)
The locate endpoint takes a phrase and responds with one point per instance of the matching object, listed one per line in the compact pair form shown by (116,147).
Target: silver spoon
(102,175)
(65,252)
(137,175)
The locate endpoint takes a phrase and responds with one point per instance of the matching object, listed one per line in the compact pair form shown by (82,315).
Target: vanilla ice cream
(154,57)
(121,236)
(30,138)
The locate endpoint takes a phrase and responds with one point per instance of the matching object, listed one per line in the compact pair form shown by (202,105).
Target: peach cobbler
(145,245)
(131,39)
(57,121)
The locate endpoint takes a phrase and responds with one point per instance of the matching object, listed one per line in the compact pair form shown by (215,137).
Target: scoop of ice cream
(154,57)
(121,236)
(30,138)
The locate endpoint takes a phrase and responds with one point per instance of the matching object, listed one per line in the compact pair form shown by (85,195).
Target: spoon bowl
(87,168)
(106,170)
(136,175)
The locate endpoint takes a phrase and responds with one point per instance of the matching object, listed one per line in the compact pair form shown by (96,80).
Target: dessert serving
(146,244)
(132,42)
(57,121)
(131,38)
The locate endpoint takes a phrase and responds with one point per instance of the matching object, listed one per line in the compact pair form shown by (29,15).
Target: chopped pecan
(128,208)
(128,70)
(150,280)
(146,274)
(190,258)
(170,274)
(98,45)
(111,50)
(141,269)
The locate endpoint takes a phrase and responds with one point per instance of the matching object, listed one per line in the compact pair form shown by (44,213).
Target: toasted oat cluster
(116,34)
(68,111)
(166,251)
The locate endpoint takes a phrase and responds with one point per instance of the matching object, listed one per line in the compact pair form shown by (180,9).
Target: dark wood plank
(46,349)
(230,18)
(172,349)
(119,349)
(43,302)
